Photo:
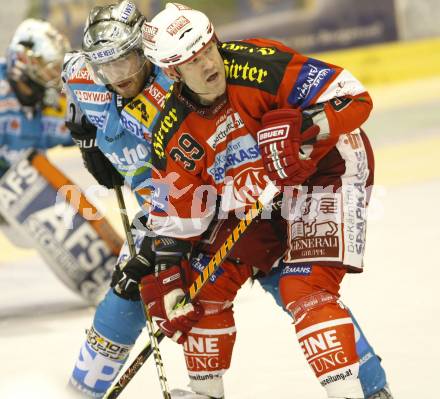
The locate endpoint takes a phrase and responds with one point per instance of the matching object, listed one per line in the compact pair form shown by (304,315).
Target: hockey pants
(330,338)
(118,323)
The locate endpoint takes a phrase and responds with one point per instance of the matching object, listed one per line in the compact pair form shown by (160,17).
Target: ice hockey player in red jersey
(242,112)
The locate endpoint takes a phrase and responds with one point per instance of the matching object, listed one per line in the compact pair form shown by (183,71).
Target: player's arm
(161,268)
(315,103)
(83,133)
(310,85)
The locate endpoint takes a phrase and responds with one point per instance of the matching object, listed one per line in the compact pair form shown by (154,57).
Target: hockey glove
(127,276)
(280,140)
(163,290)
(94,160)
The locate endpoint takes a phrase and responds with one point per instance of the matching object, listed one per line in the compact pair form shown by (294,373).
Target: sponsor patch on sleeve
(313,76)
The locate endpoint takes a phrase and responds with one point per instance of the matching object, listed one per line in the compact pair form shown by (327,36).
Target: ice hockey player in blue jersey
(31,107)
(115,96)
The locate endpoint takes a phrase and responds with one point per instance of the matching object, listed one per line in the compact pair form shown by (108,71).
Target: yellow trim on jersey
(58,112)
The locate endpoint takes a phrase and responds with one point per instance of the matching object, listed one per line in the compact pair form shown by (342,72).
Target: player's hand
(127,276)
(94,160)
(161,294)
(162,290)
(279,141)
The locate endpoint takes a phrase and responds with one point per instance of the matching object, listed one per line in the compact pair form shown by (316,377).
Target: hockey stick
(219,257)
(154,344)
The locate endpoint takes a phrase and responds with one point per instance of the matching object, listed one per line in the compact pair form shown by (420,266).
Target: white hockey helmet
(175,35)
(111,33)
(36,52)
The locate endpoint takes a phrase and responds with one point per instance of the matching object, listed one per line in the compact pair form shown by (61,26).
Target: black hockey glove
(126,277)
(94,160)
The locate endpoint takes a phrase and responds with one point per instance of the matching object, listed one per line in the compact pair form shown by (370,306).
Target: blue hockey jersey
(21,130)
(123,128)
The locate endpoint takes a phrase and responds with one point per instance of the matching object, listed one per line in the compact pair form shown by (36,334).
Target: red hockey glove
(280,140)
(161,294)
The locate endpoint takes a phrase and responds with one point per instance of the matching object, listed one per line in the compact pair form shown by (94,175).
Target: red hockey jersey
(201,155)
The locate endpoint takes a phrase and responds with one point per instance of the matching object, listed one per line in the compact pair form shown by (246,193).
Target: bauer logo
(273,134)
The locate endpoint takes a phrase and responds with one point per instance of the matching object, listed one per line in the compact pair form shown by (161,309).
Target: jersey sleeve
(328,94)
(76,119)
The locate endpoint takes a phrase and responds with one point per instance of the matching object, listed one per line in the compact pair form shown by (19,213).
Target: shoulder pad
(250,65)
(74,69)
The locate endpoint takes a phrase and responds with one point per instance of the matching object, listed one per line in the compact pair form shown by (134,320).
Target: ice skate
(384,393)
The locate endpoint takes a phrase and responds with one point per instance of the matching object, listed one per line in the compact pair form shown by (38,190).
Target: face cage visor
(48,75)
(45,73)
(120,69)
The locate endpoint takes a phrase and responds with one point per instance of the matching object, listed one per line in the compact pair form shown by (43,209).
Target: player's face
(126,75)
(205,74)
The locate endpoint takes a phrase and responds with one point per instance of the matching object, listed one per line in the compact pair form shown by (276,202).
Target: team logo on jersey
(249,184)
(312,78)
